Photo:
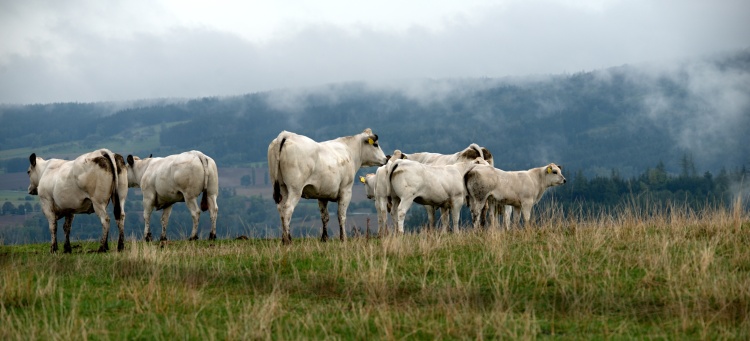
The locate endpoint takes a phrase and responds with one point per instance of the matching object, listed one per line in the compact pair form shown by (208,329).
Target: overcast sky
(84,51)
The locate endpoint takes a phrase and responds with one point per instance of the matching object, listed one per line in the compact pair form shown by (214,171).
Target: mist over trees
(661,133)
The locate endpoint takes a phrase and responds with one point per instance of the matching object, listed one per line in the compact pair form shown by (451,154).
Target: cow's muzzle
(33,191)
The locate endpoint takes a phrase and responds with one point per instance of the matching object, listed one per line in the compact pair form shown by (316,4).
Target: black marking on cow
(276,192)
(120,163)
(471,153)
(32,159)
(276,186)
(204,200)
(101,161)
(390,176)
(115,195)
(486,153)
(131,160)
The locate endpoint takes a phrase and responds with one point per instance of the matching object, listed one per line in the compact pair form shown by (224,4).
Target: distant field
(641,274)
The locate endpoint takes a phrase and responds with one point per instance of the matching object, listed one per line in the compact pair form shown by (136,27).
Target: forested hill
(625,118)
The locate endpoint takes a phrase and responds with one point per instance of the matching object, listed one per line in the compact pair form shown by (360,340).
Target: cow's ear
(150,155)
(387,157)
(32,159)
(558,166)
(403,156)
(131,161)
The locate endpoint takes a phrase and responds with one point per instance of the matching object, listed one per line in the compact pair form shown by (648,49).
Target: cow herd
(299,167)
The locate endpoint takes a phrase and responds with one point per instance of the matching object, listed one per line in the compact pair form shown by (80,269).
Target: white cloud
(91,51)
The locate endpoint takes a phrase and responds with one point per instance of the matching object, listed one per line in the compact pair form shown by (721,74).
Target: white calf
(520,189)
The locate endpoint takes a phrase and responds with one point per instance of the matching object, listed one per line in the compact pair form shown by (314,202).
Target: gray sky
(60,51)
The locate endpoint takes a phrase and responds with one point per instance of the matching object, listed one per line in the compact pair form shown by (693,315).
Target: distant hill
(625,118)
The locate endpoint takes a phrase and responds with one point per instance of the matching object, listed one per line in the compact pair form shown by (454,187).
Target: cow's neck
(354,144)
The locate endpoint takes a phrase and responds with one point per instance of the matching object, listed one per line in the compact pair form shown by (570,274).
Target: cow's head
(35,174)
(397,155)
(369,181)
(553,175)
(371,154)
(134,171)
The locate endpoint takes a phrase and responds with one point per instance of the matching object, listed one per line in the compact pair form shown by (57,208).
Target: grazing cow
(176,178)
(437,186)
(469,154)
(302,168)
(84,185)
(377,187)
(520,189)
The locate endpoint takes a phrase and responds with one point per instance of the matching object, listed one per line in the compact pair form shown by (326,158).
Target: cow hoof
(102,249)
(286,240)
(120,246)
(212,236)
(193,238)
(67,249)
(148,237)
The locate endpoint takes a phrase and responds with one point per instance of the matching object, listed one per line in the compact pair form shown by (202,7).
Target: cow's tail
(204,200)
(115,195)
(274,168)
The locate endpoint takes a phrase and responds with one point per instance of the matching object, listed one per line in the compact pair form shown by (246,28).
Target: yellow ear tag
(549,170)
(371,141)
(362,179)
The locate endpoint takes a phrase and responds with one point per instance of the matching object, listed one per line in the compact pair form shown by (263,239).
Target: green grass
(673,275)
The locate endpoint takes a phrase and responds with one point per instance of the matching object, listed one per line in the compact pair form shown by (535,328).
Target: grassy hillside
(642,273)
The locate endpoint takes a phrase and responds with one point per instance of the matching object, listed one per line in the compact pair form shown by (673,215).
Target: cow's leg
(430,216)
(289,201)
(526,210)
(213,211)
(381,205)
(344,198)
(444,219)
(476,207)
(195,213)
(52,221)
(148,208)
(395,202)
(66,228)
(403,207)
(101,212)
(324,218)
(492,213)
(456,213)
(514,219)
(121,231)
(165,214)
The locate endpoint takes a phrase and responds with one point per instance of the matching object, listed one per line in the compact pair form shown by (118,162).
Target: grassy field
(671,274)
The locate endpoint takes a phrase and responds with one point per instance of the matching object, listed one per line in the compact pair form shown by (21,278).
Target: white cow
(436,186)
(302,168)
(520,189)
(84,185)
(377,187)
(469,154)
(176,178)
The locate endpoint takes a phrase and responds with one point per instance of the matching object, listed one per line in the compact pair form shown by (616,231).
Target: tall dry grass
(637,272)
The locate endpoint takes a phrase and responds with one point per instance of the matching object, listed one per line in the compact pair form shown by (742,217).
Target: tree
(8,208)
(246,180)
